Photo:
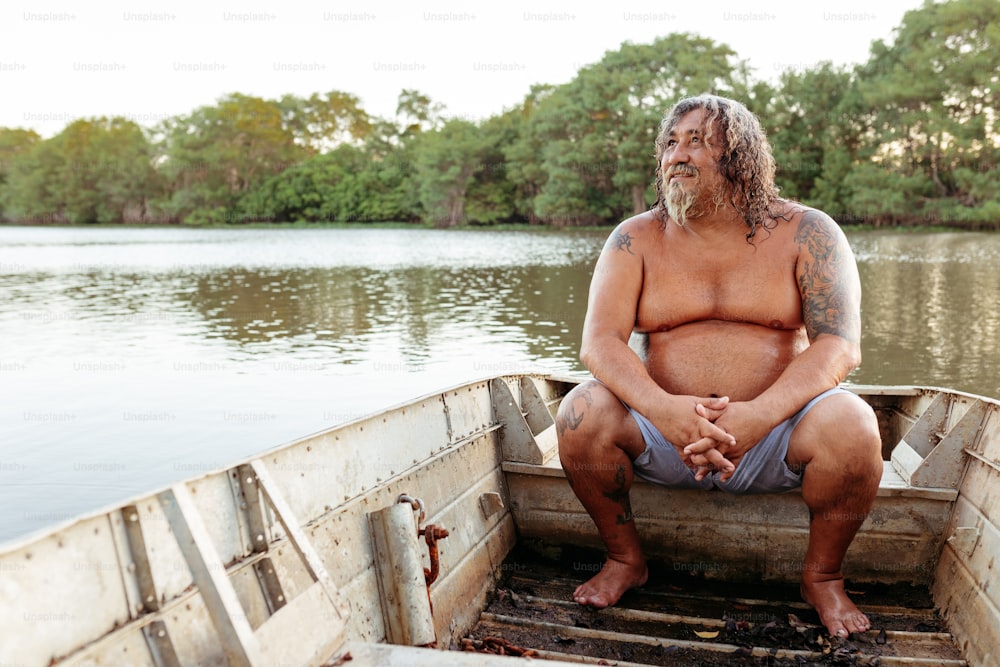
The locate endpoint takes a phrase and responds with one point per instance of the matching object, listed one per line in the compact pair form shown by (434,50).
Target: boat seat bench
(892,483)
(753,536)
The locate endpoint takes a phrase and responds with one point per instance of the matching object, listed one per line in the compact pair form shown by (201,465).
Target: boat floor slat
(889,617)
(569,634)
(784,596)
(685,620)
(642,616)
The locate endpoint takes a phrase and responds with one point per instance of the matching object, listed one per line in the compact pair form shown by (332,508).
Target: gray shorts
(762,469)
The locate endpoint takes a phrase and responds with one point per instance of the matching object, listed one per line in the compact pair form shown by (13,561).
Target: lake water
(132,358)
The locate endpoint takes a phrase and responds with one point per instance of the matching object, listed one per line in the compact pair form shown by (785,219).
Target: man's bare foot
(835,609)
(606,587)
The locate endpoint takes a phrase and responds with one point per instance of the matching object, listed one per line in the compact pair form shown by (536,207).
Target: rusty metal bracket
(431,535)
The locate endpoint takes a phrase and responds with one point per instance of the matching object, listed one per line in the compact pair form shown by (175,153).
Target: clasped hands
(717,447)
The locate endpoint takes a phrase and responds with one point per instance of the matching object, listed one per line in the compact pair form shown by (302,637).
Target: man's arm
(830,289)
(612,306)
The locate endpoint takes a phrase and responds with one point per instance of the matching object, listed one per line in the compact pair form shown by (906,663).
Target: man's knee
(842,427)
(853,422)
(586,413)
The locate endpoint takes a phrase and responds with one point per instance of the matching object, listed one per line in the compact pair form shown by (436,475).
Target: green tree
(369,176)
(344,185)
(446,162)
(491,196)
(416,113)
(217,154)
(524,170)
(94,171)
(804,124)
(15,143)
(935,130)
(322,122)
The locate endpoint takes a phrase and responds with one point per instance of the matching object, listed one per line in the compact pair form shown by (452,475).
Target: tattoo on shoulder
(623,241)
(827,306)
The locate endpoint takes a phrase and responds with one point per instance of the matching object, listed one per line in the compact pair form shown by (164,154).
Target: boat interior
(447,524)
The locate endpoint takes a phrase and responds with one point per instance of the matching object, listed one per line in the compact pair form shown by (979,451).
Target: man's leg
(838,441)
(598,439)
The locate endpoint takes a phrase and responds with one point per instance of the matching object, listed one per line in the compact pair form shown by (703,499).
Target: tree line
(910,137)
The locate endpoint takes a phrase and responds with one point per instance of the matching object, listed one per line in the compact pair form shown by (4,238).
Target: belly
(721,358)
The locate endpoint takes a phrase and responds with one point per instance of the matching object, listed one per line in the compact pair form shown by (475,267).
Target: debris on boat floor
(680,619)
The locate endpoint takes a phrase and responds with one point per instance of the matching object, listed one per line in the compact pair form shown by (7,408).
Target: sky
(153,59)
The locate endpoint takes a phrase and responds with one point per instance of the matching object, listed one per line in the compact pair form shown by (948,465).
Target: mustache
(682,170)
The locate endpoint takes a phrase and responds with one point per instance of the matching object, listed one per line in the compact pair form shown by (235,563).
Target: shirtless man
(751,305)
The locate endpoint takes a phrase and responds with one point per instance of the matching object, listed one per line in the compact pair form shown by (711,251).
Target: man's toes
(589,599)
(860,623)
(851,623)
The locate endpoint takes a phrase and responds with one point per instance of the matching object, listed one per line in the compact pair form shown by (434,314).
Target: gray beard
(684,204)
(679,202)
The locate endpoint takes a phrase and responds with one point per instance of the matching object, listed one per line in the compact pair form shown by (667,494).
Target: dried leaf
(794,621)
(708,634)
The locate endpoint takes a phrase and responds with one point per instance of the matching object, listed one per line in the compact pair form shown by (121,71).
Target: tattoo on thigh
(620,496)
(570,419)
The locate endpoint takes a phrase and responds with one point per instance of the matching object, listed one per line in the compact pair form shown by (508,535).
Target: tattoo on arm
(620,496)
(827,305)
(623,241)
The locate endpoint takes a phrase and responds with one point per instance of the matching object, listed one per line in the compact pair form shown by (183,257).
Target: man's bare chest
(760,289)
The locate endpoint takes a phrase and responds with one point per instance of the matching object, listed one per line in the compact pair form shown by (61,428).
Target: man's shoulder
(634,234)
(801,221)
(641,223)
(797,215)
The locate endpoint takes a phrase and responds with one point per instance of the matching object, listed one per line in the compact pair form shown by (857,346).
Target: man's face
(692,184)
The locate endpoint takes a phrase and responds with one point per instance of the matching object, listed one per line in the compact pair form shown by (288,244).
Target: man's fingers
(700,446)
(716,438)
(709,460)
(720,462)
(719,435)
(716,402)
(711,411)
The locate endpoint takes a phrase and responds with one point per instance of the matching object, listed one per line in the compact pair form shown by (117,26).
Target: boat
(443,531)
